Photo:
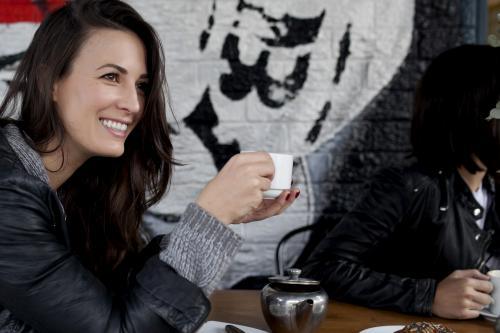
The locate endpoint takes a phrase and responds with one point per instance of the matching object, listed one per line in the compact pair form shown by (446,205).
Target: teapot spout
(303,314)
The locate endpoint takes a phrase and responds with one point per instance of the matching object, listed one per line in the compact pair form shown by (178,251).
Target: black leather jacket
(45,286)
(409,231)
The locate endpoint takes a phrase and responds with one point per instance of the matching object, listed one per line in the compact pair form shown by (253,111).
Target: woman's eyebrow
(121,70)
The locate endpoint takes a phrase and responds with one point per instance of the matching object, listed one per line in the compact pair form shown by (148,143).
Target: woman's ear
(55,91)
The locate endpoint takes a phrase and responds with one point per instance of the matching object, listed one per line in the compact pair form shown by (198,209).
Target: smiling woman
(88,154)
(101,99)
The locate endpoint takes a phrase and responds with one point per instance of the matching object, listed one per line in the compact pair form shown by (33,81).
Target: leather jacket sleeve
(44,285)
(339,261)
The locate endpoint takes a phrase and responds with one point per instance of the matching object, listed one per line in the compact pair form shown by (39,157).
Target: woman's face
(101,99)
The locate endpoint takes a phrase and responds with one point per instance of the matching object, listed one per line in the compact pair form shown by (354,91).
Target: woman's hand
(235,195)
(462,294)
(272,207)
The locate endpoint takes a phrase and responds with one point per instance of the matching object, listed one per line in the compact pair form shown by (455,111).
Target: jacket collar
(461,187)
(23,152)
(9,161)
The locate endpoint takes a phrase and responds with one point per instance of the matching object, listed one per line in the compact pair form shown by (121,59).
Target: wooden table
(243,307)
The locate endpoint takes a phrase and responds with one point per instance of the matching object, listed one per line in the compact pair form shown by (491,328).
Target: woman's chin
(111,152)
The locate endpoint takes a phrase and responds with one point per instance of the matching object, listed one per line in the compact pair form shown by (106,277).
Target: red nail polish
(287,197)
(297,195)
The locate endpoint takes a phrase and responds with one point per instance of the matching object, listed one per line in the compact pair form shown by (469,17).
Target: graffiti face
(274,75)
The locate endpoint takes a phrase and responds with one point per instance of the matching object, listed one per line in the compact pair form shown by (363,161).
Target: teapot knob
(294,273)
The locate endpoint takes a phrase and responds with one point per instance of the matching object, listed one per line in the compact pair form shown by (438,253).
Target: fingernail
(287,197)
(297,194)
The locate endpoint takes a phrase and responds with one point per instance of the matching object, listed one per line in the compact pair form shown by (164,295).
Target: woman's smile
(115,127)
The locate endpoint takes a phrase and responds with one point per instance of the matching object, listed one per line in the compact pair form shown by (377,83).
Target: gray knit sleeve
(200,248)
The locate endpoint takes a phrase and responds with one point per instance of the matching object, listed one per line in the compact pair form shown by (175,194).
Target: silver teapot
(292,304)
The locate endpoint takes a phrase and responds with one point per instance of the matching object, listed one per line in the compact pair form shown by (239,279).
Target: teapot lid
(293,278)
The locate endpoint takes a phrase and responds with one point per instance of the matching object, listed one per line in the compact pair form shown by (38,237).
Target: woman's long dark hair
(453,100)
(106,197)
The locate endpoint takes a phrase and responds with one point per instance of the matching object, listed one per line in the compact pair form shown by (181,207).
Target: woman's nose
(130,99)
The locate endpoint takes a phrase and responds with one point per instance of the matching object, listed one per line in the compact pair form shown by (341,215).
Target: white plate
(383,329)
(488,315)
(219,327)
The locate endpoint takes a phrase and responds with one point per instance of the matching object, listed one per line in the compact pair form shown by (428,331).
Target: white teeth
(114,125)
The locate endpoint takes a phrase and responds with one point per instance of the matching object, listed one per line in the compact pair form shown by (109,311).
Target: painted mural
(328,81)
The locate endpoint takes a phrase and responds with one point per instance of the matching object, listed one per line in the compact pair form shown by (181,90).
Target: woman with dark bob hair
(84,151)
(424,234)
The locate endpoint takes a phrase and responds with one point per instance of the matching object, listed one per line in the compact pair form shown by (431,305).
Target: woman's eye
(111,77)
(143,87)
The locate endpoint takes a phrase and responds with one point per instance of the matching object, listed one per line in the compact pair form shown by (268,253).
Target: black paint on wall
(272,93)
(298,31)
(202,121)
(289,31)
(10,59)
(344,52)
(313,134)
(205,34)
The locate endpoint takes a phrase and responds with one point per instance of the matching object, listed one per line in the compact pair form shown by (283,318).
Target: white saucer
(218,327)
(488,315)
(383,329)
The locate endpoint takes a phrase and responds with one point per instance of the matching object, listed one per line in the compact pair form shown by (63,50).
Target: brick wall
(329,81)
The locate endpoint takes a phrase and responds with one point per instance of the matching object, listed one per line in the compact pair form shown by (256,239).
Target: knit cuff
(200,248)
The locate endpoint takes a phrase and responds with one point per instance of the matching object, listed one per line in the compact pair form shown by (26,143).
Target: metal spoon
(233,329)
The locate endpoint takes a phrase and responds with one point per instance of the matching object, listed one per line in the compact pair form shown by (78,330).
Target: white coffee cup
(282,180)
(494,307)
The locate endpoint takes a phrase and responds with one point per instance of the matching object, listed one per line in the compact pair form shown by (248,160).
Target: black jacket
(409,231)
(44,285)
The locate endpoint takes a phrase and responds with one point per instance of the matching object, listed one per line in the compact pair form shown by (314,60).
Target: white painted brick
(388,15)
(226,109)
(181,45)
(247,263)
(391,44)
(298,134)
(226,13)
(187,141)
(183,88)
(274,228)
(377,70)
(196,168)
(301,108)
(359,13)
(321,49)
(363,41)
(304,8)
(255,136)
(307,106)
(320,75)
(16,37)
(215,43)
(176,200)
